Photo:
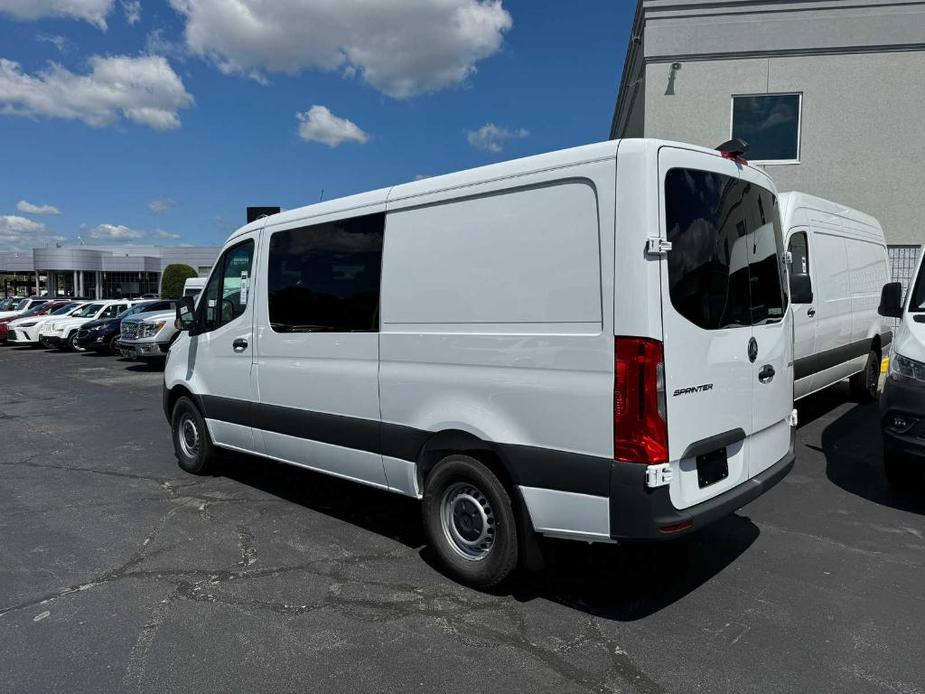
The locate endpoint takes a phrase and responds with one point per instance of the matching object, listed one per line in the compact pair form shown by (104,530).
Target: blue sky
(111,107)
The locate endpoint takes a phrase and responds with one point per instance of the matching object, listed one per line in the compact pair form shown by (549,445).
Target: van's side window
(227,292)
(799,252)
(724,269)
(326,277)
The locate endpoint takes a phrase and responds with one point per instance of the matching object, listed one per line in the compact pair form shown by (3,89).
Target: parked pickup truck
(147,335)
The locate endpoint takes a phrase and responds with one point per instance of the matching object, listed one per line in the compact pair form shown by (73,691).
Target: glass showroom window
(770,124)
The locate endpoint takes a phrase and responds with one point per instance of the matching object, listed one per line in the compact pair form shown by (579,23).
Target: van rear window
(724,268)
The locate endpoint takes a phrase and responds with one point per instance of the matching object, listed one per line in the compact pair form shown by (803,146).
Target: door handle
(239,345)
(766,375)
(811,312)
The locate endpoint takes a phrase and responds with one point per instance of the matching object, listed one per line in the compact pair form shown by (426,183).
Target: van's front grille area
(129,331)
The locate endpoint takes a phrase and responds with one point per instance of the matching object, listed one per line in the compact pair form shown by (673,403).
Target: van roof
(794,200)
(459,179)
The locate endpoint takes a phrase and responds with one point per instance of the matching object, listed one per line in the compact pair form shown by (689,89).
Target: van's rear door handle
(239,345)
(766,375)
(811,312)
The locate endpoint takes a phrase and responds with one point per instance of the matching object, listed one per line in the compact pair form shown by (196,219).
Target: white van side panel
(496,305)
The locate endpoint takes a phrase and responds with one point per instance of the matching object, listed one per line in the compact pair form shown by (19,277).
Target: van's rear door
(718,222)
(772,326)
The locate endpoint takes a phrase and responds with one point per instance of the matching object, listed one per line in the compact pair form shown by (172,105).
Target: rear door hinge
(657,246)
(658,475)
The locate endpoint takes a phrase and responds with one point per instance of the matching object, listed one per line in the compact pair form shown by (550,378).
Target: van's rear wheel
(470,522)
(864,384)
(194,449)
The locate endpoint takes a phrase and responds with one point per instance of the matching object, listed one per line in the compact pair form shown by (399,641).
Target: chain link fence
(903,261)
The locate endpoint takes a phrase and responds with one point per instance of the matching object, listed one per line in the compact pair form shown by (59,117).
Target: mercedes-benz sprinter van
(902,405)
(839,266)
(592,344)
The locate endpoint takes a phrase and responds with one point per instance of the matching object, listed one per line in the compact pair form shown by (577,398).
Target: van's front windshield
(725,267)
(917,298)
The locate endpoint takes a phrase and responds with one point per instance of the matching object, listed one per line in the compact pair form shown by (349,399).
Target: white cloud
(144,90)
(18,233)
(132,9)
(318,124)
(115,232)
(166,235)
(93,11)
(29,208)
(400,47)
(162,205)
(62,43)
(491,137)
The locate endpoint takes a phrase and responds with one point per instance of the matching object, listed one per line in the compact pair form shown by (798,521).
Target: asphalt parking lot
(121,573)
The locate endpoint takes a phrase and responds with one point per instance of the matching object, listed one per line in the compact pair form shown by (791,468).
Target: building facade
(100,272)
(828,93)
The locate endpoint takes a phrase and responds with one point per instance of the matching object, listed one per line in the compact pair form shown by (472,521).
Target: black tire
(902,474)
(192,445)
(864,385)
(112,346)
(71,343)
(463,499)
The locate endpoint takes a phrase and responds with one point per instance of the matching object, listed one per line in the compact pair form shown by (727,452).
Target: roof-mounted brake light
(734,150)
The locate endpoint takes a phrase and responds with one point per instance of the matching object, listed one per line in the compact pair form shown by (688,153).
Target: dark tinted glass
(917,300)
(799,252)
(326,277)
(770,124)
(724,265)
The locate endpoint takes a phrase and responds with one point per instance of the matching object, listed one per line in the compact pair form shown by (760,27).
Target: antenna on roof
(322,195)
(734,149)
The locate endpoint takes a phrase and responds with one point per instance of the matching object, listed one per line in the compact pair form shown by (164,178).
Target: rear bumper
(909,402)
(638,513)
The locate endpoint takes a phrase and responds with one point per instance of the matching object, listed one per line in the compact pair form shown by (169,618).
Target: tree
(174,278)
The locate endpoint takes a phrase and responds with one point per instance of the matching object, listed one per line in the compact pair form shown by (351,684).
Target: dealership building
(828,94)
(101,272)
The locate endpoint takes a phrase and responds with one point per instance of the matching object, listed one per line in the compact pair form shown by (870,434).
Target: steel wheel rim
(468,521)
(188,437)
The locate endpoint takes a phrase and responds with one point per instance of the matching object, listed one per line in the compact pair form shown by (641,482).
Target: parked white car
(23,306)
(839,266)
(63,333)
(25,331)
(902,405)
(566,345)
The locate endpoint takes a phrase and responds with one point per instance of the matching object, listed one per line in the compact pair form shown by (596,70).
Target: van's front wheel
(194,449)
(864,384)
(469,521)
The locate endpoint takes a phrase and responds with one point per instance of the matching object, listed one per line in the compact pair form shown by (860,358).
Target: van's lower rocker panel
(640,513)
(530,466)
(807,366)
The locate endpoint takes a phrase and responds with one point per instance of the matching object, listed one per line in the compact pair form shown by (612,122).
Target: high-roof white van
(902,405)
(592,344)
(839,266)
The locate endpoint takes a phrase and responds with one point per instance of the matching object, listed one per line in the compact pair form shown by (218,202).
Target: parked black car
(103,335)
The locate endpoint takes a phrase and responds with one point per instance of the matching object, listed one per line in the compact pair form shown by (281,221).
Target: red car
(37,311)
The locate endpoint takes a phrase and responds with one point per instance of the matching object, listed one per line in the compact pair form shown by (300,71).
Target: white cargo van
(902,405)
(193,286)
(585,344)
(838,268)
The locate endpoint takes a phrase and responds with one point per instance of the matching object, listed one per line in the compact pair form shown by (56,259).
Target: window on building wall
(770,124)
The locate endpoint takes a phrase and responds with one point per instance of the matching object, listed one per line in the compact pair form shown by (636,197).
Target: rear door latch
(658,475)
(657,246)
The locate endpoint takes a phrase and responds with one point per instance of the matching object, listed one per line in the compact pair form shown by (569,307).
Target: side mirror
(186,315)
(891,300)
(801,289)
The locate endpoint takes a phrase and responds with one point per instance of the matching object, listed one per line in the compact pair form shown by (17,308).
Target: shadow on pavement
(622,583)
(854,460)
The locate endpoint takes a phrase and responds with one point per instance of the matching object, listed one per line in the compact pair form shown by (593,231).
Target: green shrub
(175,277)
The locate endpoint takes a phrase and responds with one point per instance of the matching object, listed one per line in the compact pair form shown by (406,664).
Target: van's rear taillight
(640,432)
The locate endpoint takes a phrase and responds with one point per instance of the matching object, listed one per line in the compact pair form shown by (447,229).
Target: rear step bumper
(638,513)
